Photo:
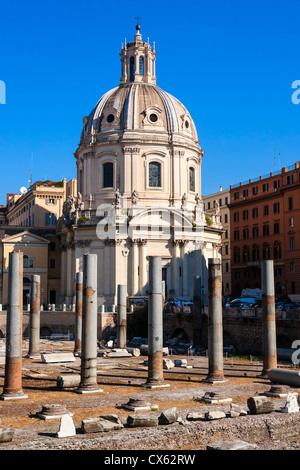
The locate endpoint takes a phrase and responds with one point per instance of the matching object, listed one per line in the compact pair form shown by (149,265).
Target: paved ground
(123,378)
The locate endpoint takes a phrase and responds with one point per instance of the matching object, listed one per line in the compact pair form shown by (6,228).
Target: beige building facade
(29,226)
(216,205)
(139,189)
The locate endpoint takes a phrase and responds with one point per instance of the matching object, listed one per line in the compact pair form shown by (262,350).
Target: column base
(215,380)
(262,375)
(13,396)
(33,356)
(155,385)
(86,390)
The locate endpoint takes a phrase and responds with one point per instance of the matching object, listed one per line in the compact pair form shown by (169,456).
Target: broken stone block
(260,405)
(195,416)
(183,422)
(232,445)
(210,415)
(237,410)
(68,380)
(100,424)
(67,427)
(180,362)
(168,363)
(291,404)
(6,434)
(58,357)
(168,416)
(113,418)
(142,420)
(118,353)
(134,351)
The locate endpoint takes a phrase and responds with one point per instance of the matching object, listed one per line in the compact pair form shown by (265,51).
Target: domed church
(139,189)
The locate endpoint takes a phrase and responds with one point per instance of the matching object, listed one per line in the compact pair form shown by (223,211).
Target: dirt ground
(122,379)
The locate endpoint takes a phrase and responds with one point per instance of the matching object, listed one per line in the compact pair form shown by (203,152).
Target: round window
(110,118)
(153,117)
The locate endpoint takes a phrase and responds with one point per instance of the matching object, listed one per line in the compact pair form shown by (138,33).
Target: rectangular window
(265,187)
(292,266)
(245,215)
(255,190)
(266,210)
(245,233)
(290,179)
(245,193)
(236,235)
(236,195)
(255,213)
(291,222)
(292,244)
(50,219)
(255,232)
(236,217)
(226,218)
(276,185)
(276,228)
(290,203)
(52,263)
(276,208)
(265,230)
(293,287)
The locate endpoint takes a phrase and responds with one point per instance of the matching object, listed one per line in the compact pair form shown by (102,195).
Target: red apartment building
(265,224)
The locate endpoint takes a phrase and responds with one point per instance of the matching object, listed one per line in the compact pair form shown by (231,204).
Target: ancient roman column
(134,267)
(12,389)
(122,317)
(215,327)
(185,268)
(155,325)
(78,313)
(88,382)
(143,267)
(34,322)
(269,348)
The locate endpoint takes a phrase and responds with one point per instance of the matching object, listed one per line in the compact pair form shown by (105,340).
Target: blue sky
(230,63)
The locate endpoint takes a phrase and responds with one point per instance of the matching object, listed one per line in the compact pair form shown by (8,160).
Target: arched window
(154,174)
(27,262)
(108,175)
(132,69)
(141,64)
(192,179)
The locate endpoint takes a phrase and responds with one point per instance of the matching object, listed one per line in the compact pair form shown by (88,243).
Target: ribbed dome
(141,107)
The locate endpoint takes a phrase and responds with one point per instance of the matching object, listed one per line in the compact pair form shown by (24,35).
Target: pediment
(24,238)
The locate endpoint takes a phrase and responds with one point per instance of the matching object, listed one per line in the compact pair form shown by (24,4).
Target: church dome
(138,104)
(141,107)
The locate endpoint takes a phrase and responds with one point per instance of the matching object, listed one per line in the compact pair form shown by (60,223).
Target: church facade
(139,189)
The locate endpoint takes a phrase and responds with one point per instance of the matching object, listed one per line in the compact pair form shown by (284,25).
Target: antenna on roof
(30,180)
